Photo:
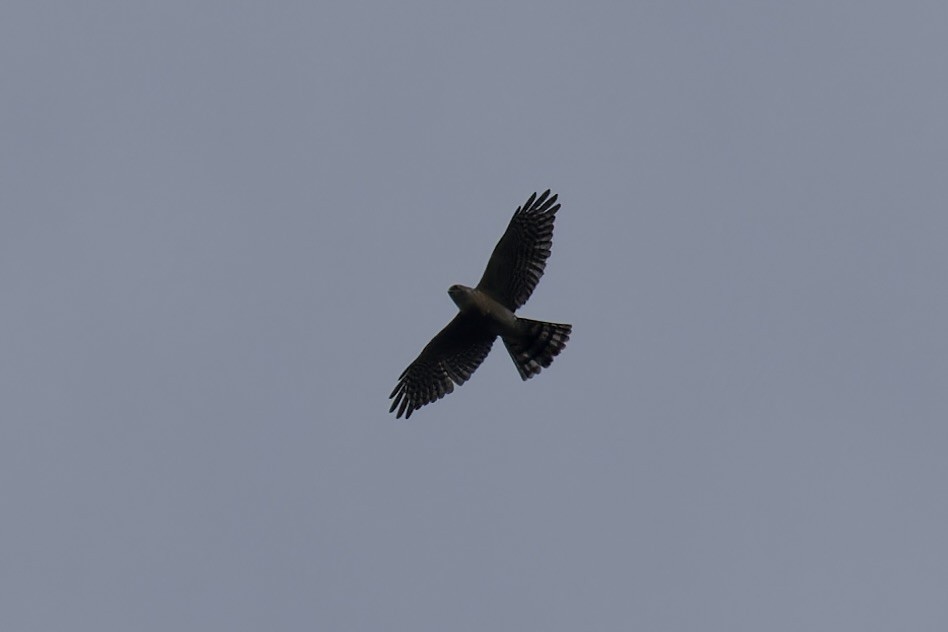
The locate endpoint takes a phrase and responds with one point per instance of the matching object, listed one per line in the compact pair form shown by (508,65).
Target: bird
(486,311)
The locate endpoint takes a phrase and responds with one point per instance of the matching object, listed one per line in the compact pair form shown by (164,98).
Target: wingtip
(542,204)
(528,203)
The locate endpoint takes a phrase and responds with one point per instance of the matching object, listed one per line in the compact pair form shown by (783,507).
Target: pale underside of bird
(487,311)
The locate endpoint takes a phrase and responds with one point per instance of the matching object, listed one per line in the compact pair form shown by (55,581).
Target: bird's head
(460,294)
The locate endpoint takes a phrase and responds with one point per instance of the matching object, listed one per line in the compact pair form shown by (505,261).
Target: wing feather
(519,259)
(450,358)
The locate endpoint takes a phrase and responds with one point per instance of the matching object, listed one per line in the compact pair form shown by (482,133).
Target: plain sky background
(227,227)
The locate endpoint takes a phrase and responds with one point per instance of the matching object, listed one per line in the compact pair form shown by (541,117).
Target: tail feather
(537,345)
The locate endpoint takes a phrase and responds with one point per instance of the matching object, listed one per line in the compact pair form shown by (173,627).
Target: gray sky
(226,228)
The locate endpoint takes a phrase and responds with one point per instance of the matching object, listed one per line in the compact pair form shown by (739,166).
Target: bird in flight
(487,311)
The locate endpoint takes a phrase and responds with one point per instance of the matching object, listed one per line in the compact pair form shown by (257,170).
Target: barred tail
(537,345)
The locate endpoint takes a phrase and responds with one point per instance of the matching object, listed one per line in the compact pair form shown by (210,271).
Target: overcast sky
(227,227)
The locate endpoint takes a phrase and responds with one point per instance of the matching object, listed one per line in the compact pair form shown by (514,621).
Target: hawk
(487,311)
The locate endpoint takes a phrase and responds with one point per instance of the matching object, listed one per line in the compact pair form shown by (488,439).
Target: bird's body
(497,318)
(487,311)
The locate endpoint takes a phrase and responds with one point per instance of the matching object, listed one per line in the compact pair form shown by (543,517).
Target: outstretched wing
(450,358)
(520,256)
